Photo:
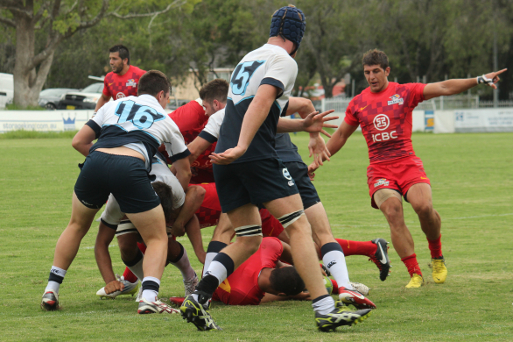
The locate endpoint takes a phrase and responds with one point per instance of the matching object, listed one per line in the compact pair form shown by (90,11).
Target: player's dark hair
(152,83)
(122,50)
(215,90)
(166,198)
(286,280)
(375,57)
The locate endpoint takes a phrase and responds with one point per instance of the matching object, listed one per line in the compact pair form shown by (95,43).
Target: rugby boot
(439,270)
(196,313)
(416,281)
(380,258)
(146,307)
(341,315)
(355,298)
(50,301)
(362,288)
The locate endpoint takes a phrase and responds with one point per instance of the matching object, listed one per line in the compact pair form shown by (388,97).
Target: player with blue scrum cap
(248,172)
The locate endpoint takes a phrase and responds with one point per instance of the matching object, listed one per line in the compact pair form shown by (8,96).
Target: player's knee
(423,209)
(392,209)
(250,243)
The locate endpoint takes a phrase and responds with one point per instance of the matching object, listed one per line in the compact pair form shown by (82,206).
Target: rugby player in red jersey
(122,80)
(384,112)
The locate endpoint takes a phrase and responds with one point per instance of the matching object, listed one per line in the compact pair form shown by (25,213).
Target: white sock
(137,269)
(57,275)
(214,247)
(335,262)
(324,305)
(218,270)
(150,294)
(184,266)
(208,260)
(52,286)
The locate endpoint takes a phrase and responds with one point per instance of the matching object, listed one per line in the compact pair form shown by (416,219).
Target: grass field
(472,183)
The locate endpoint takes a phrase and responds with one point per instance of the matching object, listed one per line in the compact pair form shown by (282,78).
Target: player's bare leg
(69,241)
(248,229)
(419,196)
(66,250)
(303,250)
(152,227)
(222,236)
(333,256)
(401,237)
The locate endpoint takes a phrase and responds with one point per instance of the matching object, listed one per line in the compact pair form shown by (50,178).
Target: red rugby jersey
(386,119)
(241,287)
(118,86)
(191,119)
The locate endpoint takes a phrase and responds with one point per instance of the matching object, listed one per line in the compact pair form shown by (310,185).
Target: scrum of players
(226,160)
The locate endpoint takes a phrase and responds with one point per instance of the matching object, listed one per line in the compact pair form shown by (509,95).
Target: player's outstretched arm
(336,142)
(254,118)
(103,260)
(312,123)
(456,86)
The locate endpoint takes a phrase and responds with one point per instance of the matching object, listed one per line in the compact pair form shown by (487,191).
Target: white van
(6,89)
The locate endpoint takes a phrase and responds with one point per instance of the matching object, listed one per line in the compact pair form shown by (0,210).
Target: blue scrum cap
(288,22)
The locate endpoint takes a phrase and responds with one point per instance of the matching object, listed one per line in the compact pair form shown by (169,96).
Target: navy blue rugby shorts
(307,191)
(255,182)
(124,176)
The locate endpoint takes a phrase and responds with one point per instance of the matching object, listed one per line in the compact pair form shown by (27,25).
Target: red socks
(435,246)
(350,247)
(412,265)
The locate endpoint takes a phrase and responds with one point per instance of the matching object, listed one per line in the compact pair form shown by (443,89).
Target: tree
(53,21)
(331,38)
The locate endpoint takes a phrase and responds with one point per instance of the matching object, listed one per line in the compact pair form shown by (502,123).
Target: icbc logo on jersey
(381,123)
(120,95)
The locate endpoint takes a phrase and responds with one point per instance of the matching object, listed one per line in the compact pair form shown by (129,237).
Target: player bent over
(384,112)
(248,172)
(177,205)
(330,250)
(129,132)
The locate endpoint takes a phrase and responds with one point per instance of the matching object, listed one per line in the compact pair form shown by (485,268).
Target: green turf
(472,182)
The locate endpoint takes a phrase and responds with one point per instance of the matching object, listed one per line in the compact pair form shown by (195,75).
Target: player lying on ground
(329,249)
(177,206)
(384,112)
(248,173)
(129,132)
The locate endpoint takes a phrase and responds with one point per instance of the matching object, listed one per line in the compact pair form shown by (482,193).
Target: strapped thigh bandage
(126,227)
(382,195)
(287,220)
(251,230)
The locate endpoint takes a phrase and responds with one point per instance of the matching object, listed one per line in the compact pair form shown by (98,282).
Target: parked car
(84,99)
(6,89)
(49,98)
